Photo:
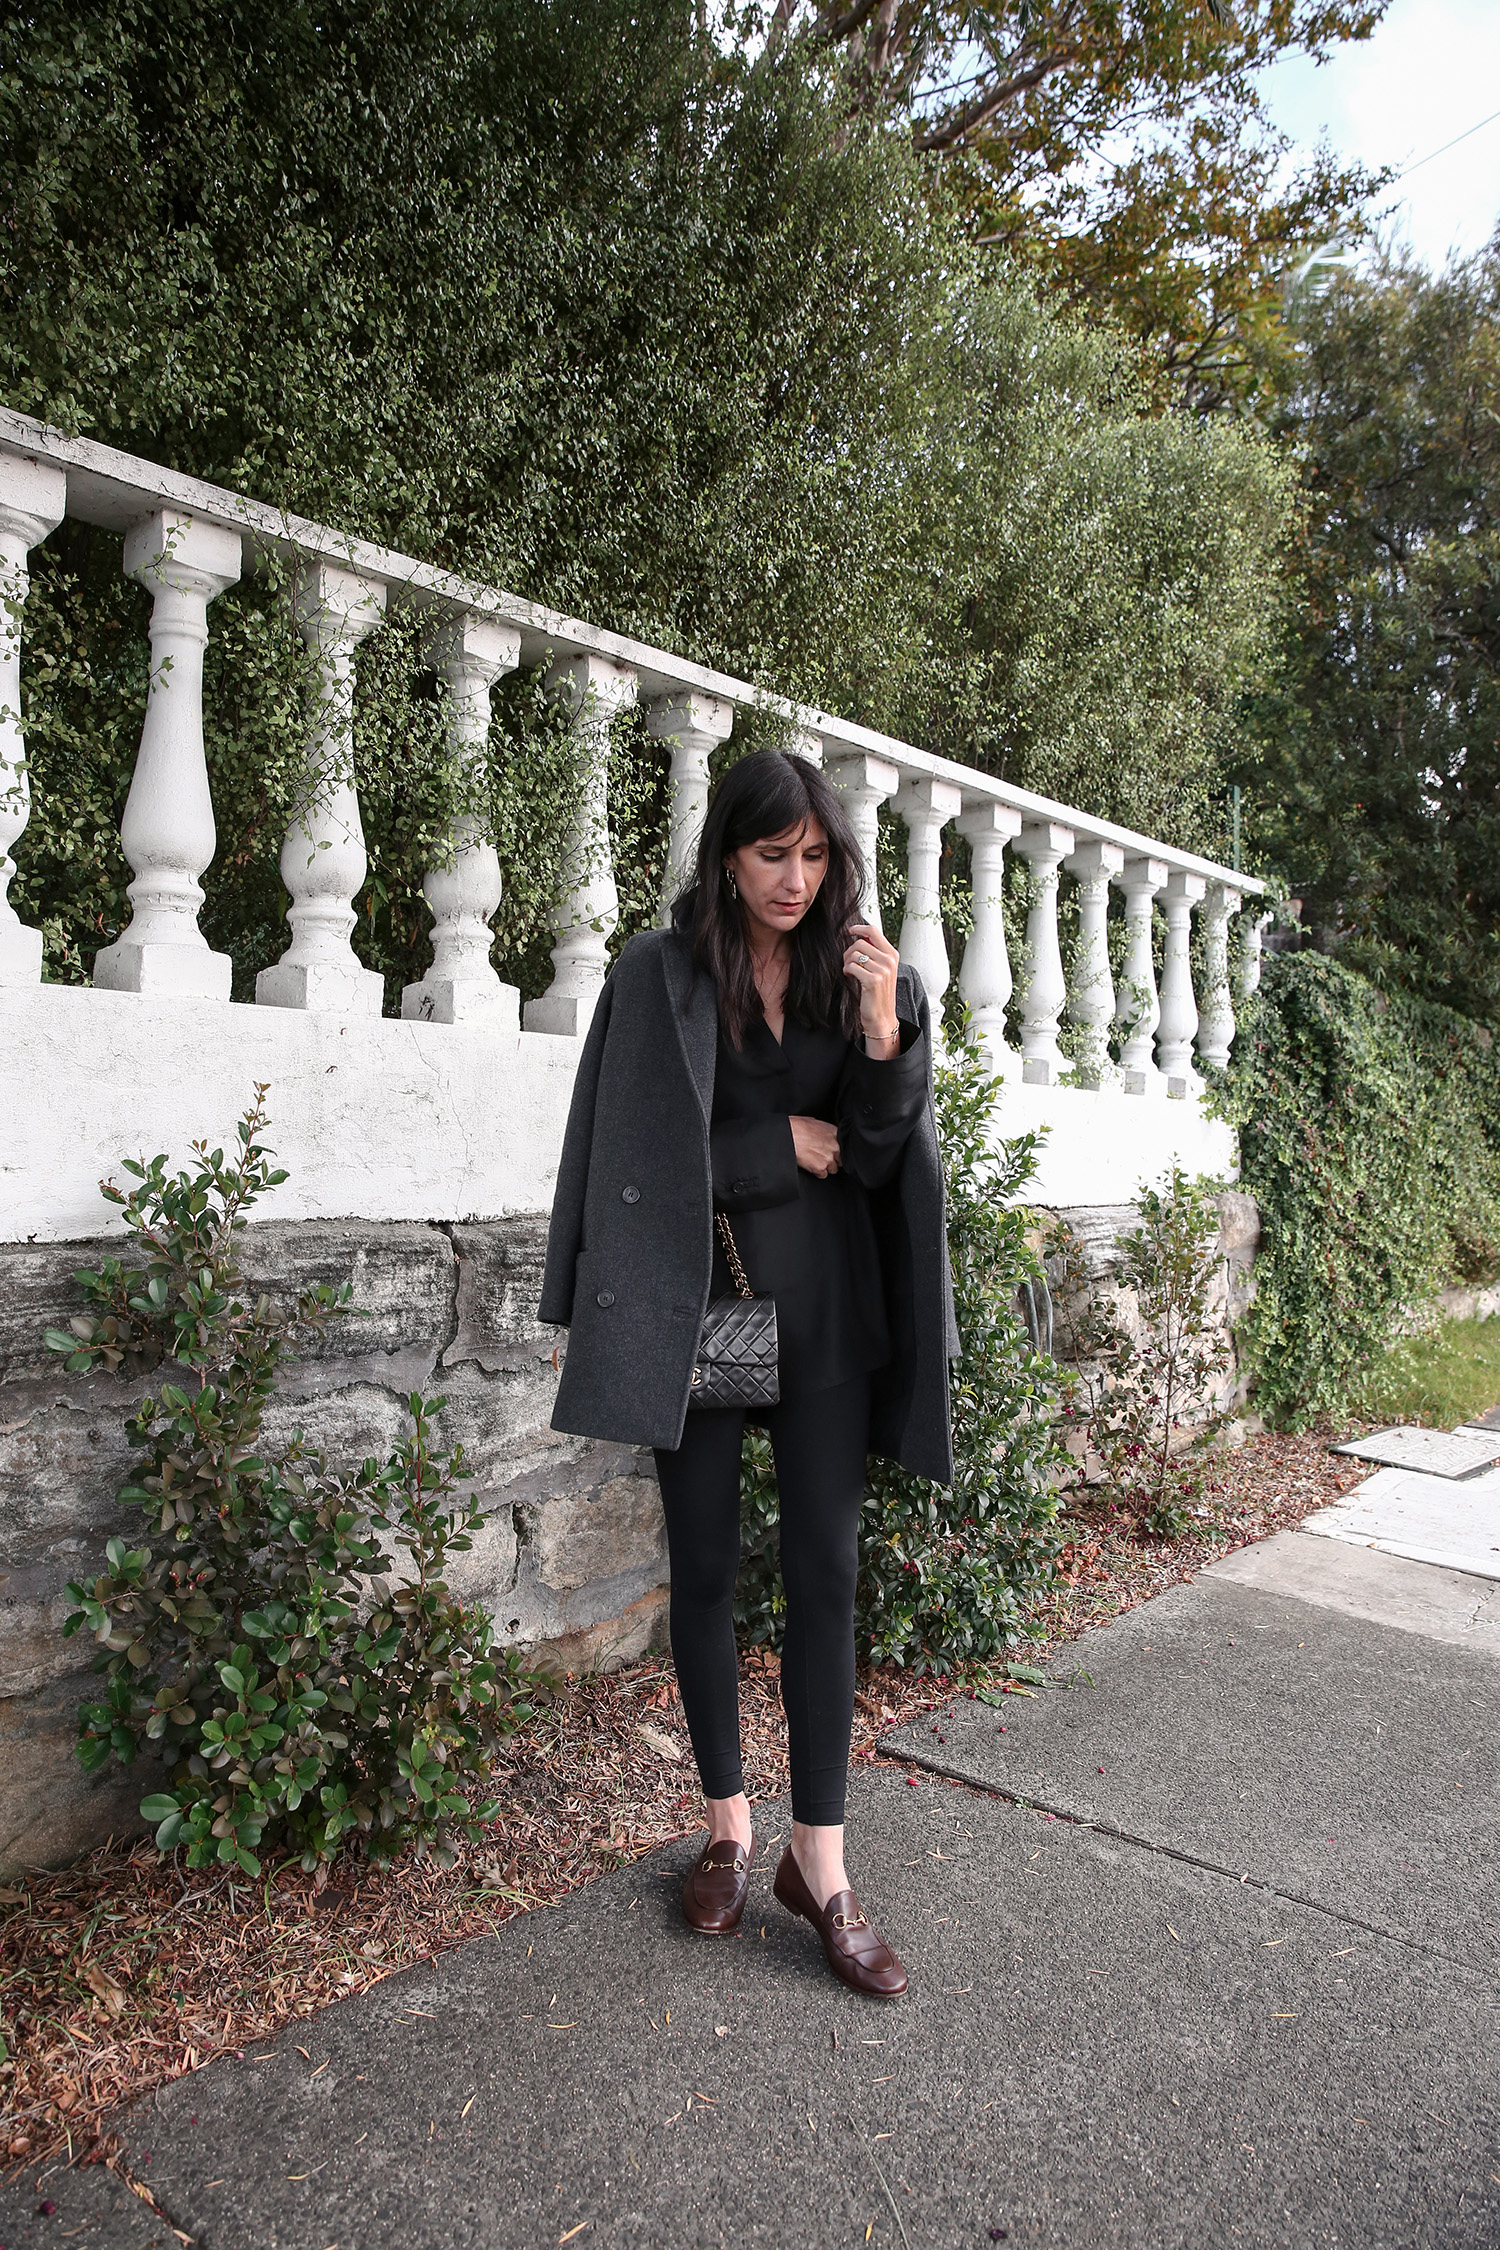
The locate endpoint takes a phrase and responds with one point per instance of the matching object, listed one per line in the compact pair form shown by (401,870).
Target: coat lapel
(695,1012)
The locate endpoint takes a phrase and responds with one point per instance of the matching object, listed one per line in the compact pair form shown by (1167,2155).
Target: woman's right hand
(817,1145)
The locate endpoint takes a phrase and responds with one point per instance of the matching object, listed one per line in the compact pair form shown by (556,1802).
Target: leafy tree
(1376,781)
(1123,147)
(665,335)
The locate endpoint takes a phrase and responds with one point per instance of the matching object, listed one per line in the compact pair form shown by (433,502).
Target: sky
(1431,69)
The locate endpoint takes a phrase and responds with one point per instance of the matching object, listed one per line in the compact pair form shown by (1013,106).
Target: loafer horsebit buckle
(849,1922)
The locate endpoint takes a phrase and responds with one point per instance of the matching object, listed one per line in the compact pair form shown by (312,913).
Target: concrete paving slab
(1336,1760)
(92,2208)
(1102,2046)
(1445,1605)
(1428,1519)
(1436,1453)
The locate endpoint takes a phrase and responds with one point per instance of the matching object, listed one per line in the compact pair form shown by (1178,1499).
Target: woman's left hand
(871,961)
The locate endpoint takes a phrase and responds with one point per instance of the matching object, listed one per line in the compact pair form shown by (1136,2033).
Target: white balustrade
(1252,938)
(693,726)
(864,783)
(1046,844)
(186,550)
(323,860)
(1091,997)
(984,979)
(594,689)
(168,832)
(926,806)
(468,655)
(1179,1010)
(33,501)
(1216,1006)
(1137,1009)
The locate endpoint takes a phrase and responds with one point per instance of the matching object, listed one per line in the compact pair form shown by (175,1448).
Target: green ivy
(1370,1139)
(944,1572)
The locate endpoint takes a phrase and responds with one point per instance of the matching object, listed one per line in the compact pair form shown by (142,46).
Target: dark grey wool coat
(630,1251)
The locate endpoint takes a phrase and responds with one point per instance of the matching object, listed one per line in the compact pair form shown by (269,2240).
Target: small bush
(257,1641)
(1140,1387)
(944,1571)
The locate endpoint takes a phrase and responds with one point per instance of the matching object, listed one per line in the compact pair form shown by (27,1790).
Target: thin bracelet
(883,1038)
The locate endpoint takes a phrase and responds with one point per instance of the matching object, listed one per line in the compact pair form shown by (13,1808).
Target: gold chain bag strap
(735,1364)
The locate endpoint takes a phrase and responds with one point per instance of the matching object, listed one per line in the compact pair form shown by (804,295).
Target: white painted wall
(384,1119)
(373,1119)
(1103,1145)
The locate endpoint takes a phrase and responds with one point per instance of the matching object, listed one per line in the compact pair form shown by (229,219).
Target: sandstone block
(50,1809)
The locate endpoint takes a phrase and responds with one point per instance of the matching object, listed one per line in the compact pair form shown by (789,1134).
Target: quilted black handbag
(736,1358)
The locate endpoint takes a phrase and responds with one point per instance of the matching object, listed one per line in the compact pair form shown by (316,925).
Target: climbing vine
(1370,1138)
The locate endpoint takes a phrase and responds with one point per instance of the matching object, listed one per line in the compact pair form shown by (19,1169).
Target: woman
(768,1057)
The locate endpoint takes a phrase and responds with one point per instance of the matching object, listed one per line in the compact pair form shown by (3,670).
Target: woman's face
(778,877)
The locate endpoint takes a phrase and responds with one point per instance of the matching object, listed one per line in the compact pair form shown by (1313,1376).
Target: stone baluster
(1091,997)
(1137,1009)
(864,783)
(323,860)
(1179,1010)
(1252,937)
(468,655)
(33,500)
(984,979)
(693,726)
(926,806)
(594,689)
(1046,844)
(168,829)
(1216,1009)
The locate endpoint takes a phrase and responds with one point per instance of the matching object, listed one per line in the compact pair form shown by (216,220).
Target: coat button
(605,1297)
(630,1195)
(741,1187)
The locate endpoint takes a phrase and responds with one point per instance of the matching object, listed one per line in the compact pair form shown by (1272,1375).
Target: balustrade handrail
(114,489)
(186,540)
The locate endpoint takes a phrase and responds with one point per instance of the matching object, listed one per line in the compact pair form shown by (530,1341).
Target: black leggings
(820,1443)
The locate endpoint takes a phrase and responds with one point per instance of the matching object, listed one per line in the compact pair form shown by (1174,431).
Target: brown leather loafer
(716,1887)
(857,1953)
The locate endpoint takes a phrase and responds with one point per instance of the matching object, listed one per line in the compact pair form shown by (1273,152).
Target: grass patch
(1443,1378)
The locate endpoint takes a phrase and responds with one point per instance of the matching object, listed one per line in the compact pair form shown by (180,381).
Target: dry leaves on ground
(1268,1485)
(126,1970)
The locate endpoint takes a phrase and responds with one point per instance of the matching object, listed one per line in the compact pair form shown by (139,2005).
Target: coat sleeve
(565,1234)
(880,1103)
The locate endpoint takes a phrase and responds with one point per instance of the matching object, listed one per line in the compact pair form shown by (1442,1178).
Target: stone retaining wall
(572,1561)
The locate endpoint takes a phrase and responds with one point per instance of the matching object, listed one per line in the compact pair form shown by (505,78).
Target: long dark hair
(765,794)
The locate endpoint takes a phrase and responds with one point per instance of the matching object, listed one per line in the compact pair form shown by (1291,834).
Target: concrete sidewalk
(1238,1988)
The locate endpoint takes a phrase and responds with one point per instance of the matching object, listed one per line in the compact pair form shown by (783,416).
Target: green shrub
(257,1641)
(944,1571)
(1370,1139)
(1141,1385)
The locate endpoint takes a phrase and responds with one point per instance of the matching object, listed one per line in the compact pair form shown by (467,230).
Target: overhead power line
(1436,152)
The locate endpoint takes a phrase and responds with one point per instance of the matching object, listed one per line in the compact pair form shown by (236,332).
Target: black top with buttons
(810,1243)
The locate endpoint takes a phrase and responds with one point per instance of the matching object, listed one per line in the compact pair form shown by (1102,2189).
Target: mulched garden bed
(125,1970)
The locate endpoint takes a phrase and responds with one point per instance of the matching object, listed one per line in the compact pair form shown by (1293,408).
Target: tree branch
(978,113)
